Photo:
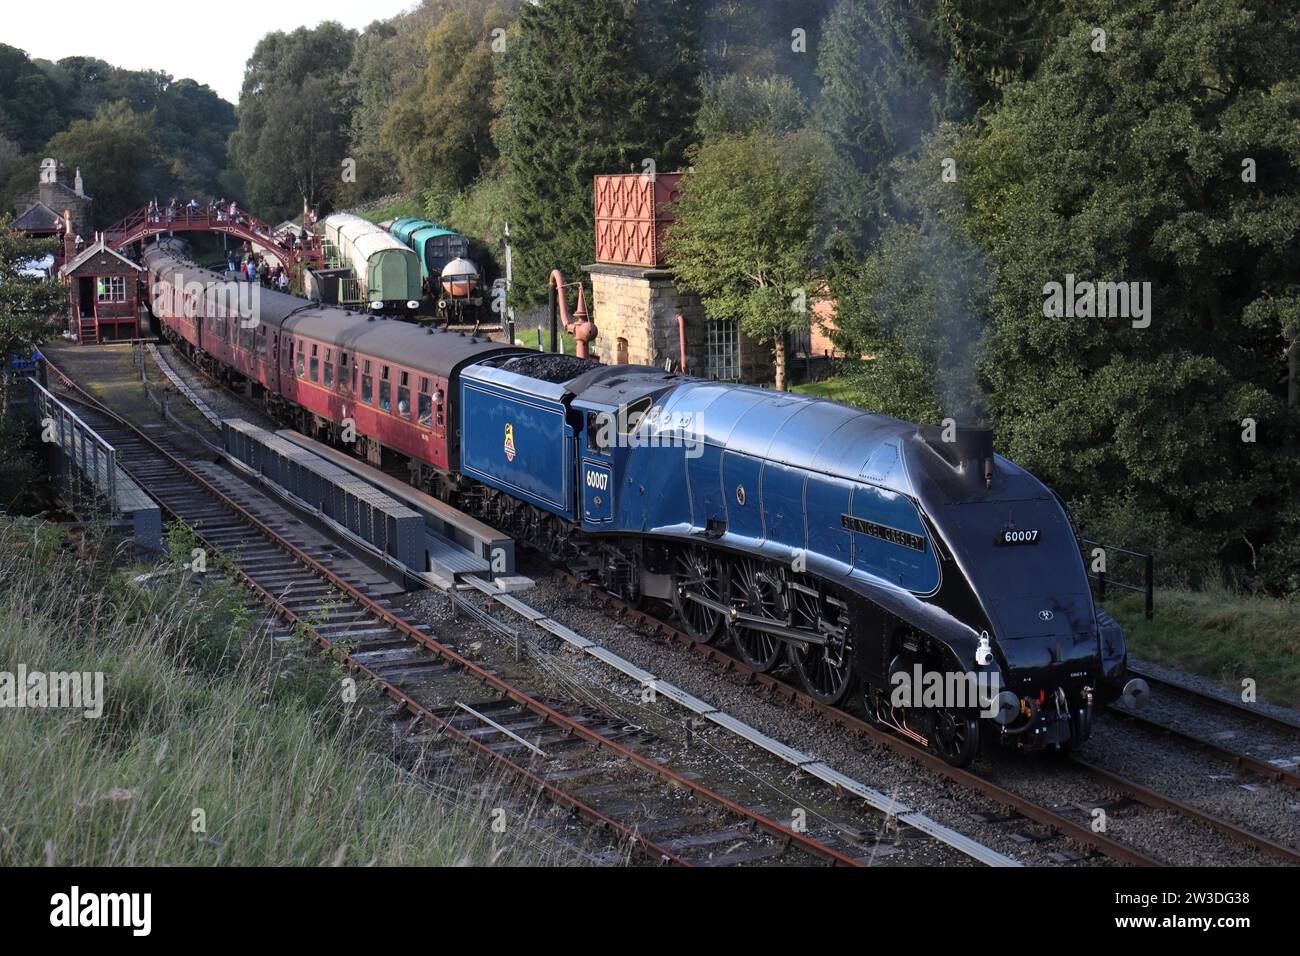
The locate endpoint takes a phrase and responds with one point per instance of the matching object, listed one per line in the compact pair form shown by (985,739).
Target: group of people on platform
(255,268)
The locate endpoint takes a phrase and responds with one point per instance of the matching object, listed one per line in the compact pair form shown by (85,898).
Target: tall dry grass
(212,749)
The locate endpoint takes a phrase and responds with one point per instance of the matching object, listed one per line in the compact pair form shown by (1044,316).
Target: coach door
(273,377)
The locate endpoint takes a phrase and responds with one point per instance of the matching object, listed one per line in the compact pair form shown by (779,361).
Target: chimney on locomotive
(967,448)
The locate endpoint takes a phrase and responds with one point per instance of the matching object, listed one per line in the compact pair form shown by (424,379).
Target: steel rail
(1158,802)
(1131,788)
(1237,708)
(1247,762)
(790,837)
(778,688)
(1071,829)
(1030,810)
(913,818)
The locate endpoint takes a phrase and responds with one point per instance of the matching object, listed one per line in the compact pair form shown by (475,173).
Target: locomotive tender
(861,550)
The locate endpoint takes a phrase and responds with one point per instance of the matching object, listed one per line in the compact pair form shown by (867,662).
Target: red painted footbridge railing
(151,221)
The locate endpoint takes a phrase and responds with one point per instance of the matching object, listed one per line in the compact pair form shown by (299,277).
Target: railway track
(1072,829)
(1223,705)
(593,765)
(838,781)
(1278,773)
(1076,830)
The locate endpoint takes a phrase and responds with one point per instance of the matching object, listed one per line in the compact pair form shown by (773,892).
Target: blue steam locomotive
(864,551)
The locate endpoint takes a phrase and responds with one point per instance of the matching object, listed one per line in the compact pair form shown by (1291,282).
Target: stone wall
(640,307)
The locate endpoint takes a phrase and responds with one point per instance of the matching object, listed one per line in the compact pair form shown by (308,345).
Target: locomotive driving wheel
(756,592)
(695,570)
(825,670)
(955,736)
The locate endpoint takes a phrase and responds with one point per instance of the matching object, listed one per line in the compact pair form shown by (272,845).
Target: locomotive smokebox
(967,448)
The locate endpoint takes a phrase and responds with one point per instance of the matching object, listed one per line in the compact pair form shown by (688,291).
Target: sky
(208,42)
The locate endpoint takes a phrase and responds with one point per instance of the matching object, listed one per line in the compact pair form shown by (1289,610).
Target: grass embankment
(403,207)
(836,389)
(212,747)
(1222,636)
(528,335)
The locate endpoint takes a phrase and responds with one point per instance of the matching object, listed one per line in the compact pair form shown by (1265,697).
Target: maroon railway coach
(319,366)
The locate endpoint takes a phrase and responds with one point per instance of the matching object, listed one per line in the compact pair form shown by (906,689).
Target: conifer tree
(588,87)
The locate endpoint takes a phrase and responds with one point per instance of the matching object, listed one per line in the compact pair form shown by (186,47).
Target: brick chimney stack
(77,187)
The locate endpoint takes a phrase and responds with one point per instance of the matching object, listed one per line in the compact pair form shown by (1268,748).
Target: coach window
(314,366)
(404,395)
(425,408)
(367,385)
(343,372)
(261,342)
(302,361)
(385,390)
(329,369)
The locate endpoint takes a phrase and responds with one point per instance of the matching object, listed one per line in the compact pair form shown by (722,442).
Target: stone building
(40,211)
(634,301)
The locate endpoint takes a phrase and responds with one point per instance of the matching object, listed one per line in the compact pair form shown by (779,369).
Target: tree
(33,103)
(192,125)
(298,77)
(371,87)
(991,43)
(743,234)
(743,104)
(120,146)
(305,140)
(764,40)
(1170,158)
(27,303)
(916,301)
(40,101)
(440,128)
(588,87)
(883,90)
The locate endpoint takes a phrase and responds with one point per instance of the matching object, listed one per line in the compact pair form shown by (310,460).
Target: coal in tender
(550,366)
